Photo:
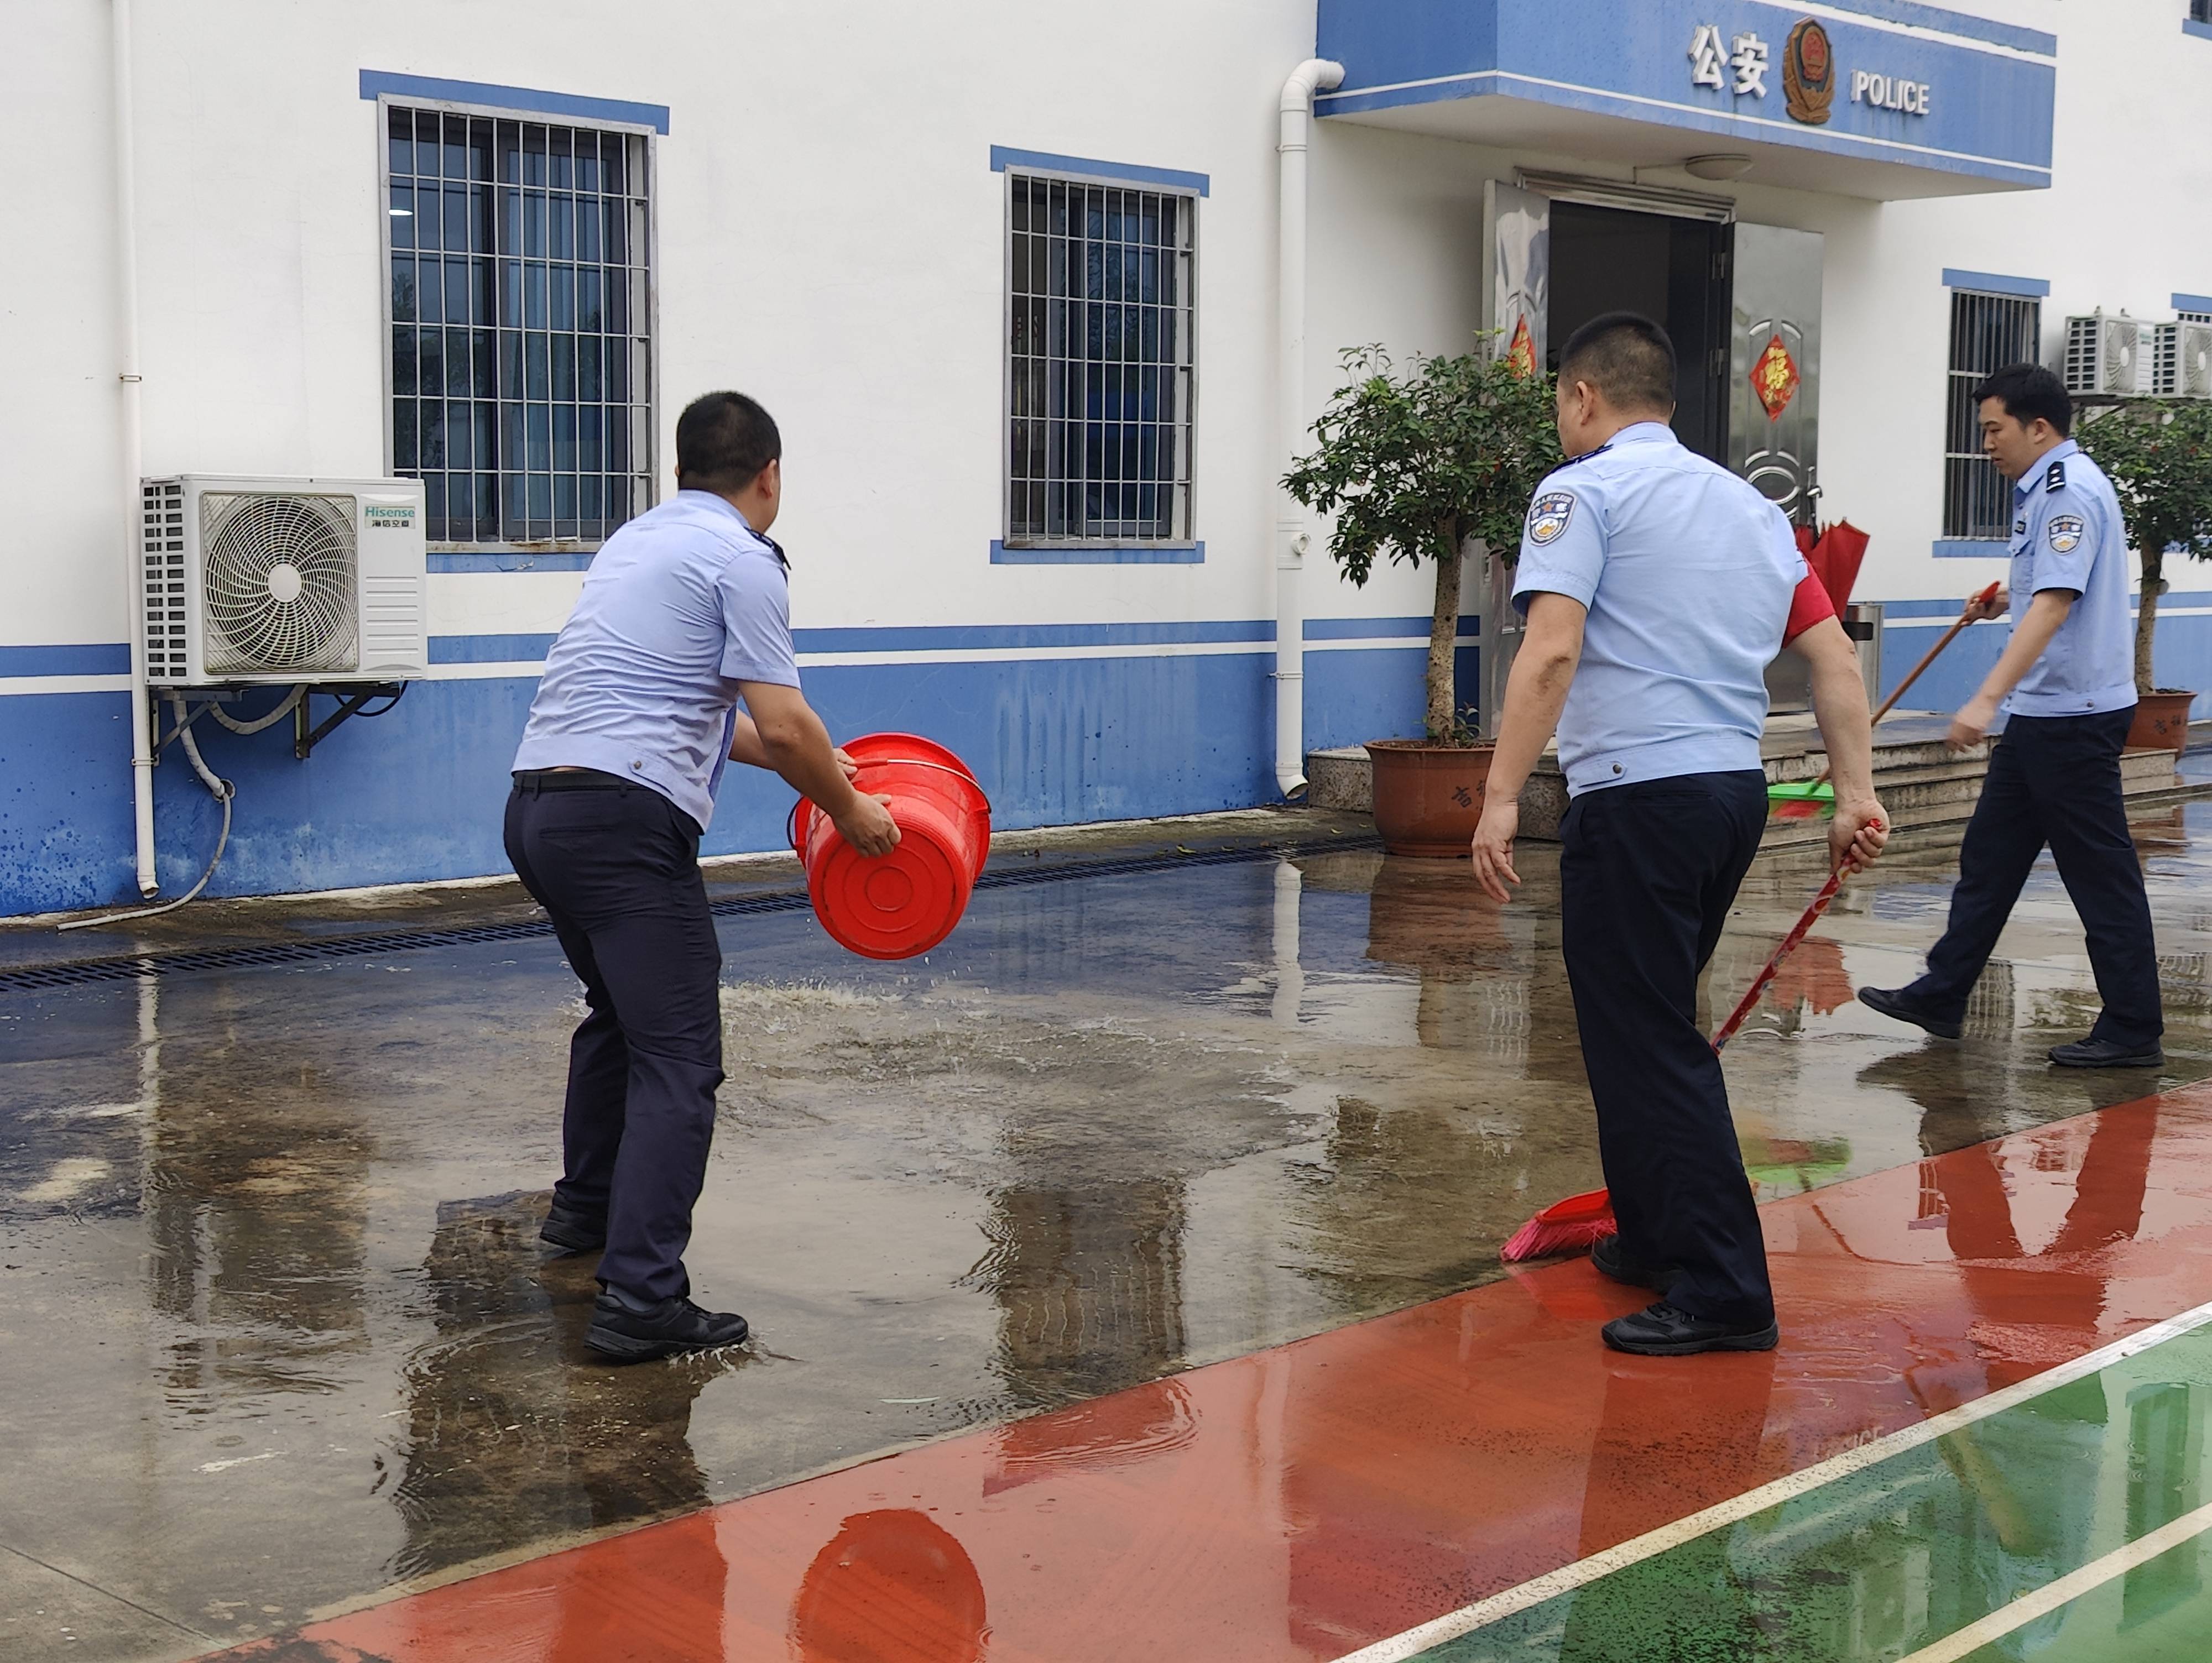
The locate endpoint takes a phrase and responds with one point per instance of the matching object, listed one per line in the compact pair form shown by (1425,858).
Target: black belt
(573,779)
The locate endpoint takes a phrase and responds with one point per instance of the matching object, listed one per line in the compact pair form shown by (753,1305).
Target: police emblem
(1549,516)
(1808,73)
(2064,534)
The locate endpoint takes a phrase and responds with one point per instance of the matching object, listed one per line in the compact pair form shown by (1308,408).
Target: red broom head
(1565,1227)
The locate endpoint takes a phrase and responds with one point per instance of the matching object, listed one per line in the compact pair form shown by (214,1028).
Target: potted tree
(2157,455)
(1419,465)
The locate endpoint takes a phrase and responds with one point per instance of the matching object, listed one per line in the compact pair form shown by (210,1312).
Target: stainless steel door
(1517,301)
(1774,403)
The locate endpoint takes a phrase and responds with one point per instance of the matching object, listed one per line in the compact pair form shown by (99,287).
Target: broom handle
(1949,635)
(1789,944)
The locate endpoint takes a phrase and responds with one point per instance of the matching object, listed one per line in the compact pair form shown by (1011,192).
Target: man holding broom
(1657,586)
(2068,675)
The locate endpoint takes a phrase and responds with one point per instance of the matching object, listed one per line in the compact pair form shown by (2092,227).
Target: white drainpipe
(126,277)
(1316,74)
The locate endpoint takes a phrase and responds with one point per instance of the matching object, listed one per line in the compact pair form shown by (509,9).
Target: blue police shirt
(2067,533)
(680,605)
(1687,573)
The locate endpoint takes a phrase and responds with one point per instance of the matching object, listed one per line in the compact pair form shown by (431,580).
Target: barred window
(1987,331)
(519,318)
(1099,364)
(2199,11)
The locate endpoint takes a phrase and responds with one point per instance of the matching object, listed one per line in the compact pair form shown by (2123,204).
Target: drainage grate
(88,972)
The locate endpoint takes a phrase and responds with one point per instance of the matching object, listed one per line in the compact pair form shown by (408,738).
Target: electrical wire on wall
(221,788)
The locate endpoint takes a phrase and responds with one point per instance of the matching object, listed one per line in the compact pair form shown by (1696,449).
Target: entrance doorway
(1672,269)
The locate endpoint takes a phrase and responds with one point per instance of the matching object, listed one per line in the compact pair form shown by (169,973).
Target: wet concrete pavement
(275,1335)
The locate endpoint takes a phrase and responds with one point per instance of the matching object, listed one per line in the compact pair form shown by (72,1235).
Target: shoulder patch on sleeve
(1549,516)
(2064,534)
(2056,479)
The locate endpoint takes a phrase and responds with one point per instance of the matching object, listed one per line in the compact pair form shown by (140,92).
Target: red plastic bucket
(903,903)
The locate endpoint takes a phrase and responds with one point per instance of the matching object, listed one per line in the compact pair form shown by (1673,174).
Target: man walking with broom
(2069,673)
(1657,587)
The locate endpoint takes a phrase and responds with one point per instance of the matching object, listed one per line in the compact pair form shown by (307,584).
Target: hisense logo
(396,519)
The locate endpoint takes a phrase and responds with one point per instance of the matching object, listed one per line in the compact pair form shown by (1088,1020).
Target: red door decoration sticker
(1774,379)
(1521,353)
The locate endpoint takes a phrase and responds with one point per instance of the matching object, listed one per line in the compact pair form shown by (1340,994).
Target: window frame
(385,103)
(1028,550)
(1953,295)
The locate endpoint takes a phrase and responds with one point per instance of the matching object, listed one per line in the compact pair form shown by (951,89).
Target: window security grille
(2200,10)
(1987,331)
(1099,364)
(519,318)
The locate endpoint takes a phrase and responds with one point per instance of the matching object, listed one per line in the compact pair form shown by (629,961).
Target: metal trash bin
(1863,624)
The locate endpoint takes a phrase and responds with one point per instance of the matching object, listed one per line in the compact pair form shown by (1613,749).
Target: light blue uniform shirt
(1687,573)
(681,604)
(2067,533)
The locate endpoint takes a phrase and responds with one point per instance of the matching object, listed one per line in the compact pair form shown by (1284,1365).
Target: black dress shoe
(623,1329)
(2094,1053)
(1664,1332)
(574,1230)
(1611,1261)
(1893,1002)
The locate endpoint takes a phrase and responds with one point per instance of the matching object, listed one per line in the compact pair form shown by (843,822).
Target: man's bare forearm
(1839,706)
(1537,691)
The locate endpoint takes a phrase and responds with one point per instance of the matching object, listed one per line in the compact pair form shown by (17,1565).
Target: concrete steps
(1923,783)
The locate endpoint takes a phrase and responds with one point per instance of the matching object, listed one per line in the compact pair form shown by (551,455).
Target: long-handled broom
(1788,796)
(1580,1221)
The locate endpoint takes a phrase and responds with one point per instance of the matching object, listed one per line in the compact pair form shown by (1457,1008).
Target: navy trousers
(1648,872)
(616,868)
(2055,781)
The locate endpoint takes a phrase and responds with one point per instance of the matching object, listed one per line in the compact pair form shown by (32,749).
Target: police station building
(1040,299)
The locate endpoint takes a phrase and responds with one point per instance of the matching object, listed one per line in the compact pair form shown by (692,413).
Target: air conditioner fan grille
(279,584)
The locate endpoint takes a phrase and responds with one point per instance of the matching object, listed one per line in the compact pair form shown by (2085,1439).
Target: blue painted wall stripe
(507,560)
(2202,31)
(489,649)
(1004,157)
(1356,629)
(1989,283)
(2193,302)
(376,82)
(87,658)
(1102,553)
(1971,549)
(1954,22)
(954,638)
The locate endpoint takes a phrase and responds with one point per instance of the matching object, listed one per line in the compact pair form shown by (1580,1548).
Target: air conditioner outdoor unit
(282,580)
(2161,344)
(2109,355)
(2192,356)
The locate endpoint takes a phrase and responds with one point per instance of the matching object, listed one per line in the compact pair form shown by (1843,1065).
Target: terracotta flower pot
(2161,720)
(1428,797)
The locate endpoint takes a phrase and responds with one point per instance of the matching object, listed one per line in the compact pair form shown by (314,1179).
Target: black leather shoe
(573,1230)
(1891,1002)
(1607,1256)
(1664,1332)
(620,1329)
(2104,1053)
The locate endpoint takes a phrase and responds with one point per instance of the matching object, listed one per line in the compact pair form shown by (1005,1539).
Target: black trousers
(2055,781)
(1648,872)
(617,871)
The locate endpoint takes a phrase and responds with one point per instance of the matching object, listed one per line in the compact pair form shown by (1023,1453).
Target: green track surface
(1883,1563)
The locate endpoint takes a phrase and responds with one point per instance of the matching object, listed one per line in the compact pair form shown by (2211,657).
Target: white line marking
(2092,1577)
(1565,1580)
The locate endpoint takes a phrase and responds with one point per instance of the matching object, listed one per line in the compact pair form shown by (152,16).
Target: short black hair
(2029,390)
(723,440)
(1625,356)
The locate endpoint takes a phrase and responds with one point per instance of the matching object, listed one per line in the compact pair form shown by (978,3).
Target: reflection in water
(513,1432)
(1089,1284)
(256,1211)
(891,1583)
